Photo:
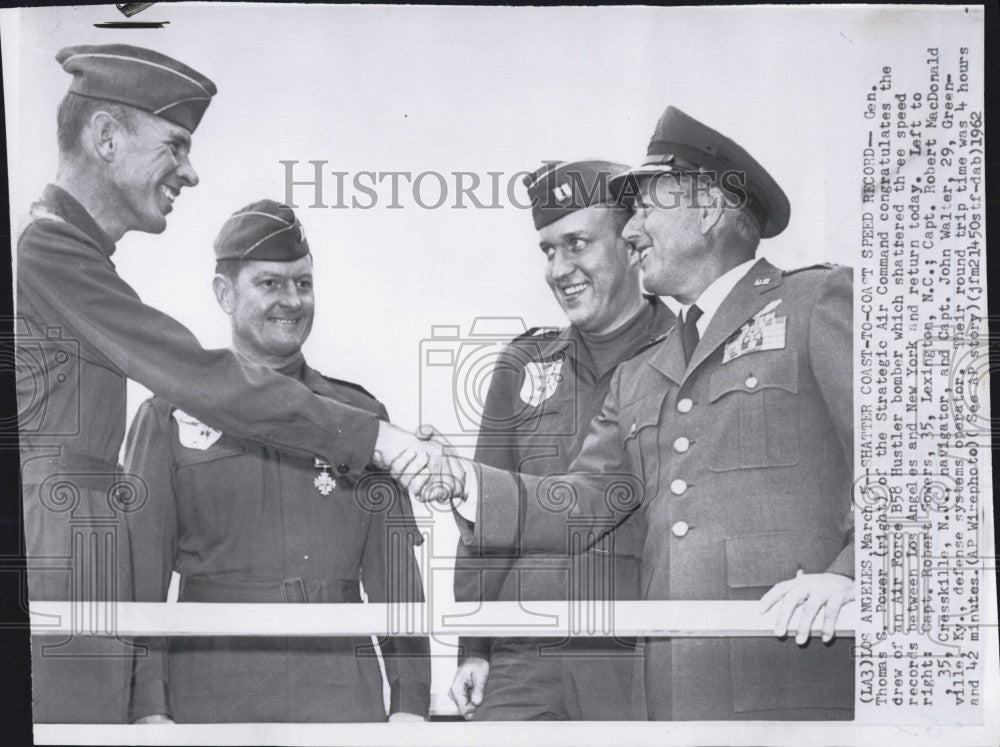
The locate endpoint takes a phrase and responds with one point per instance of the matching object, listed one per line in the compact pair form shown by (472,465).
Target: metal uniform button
(684,405)
(677,487)
(632,431)
(680,528)
(344,469)
(681,445)
(751,382)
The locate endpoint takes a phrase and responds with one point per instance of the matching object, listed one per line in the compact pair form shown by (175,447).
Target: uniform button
(751,382)
(305,557)
(680,528)
(633,429)
(681,445)
(344,469)
(677,487)
(684,405)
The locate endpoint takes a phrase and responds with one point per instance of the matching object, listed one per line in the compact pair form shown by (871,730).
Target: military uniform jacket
(542,396)
(241,522)
(80,331)
(741,463)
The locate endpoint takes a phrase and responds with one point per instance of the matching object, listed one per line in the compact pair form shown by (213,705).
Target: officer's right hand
(423,464)
(158,718)
(467,686)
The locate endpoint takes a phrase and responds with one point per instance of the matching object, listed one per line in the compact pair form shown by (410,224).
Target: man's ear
(223,289)
(105,135)
(711,213)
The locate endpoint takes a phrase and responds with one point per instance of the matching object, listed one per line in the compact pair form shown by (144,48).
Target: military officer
(241,522)
(545,388)
(125,129)
(736,428)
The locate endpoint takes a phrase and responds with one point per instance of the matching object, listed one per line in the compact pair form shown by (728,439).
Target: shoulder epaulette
(818,266)
(350,385)
(538,332)
(652,342)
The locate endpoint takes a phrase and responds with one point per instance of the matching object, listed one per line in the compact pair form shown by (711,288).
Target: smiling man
(242,523)
(732,435)
(124,131)
(546,387)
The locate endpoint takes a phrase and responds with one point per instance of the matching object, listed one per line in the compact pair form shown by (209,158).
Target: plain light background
(464,89)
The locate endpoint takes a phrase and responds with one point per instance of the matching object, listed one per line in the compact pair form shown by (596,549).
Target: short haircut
(229,268)
(75,112)
(737,220)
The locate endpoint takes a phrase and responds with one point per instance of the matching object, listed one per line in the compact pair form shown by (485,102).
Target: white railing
(493,619)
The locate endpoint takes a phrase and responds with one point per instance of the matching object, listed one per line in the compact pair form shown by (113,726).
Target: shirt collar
(712,297)
(67,207)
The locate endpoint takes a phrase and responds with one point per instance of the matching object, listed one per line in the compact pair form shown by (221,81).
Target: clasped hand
(423,463)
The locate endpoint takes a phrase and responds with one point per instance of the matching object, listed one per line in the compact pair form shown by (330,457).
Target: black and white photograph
(455,365)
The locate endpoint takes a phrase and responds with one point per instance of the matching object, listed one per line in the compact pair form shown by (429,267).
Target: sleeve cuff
(478,647)
(149,699)
(499,509)
(412,699)
(844,563)
(354,445)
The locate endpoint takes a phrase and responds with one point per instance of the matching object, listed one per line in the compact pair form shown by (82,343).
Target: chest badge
(193,434)
(765,331)
(540,381)
(324,482)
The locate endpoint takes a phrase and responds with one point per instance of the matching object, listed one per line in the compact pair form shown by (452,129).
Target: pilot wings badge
(540,381)
(193,434)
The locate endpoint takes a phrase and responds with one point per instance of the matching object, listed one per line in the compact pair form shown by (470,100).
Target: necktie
(689,331)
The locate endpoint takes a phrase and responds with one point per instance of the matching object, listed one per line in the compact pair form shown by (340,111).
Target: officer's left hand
(811,591)
(404,716)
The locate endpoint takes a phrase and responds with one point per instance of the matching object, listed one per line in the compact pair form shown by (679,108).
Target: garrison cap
(558,188)
(682,144)
(139,77)
(264,230)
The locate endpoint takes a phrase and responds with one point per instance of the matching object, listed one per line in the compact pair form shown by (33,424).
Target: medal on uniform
(324,482)
(765,331)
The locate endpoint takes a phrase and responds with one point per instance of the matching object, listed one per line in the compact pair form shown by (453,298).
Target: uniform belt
(289,591)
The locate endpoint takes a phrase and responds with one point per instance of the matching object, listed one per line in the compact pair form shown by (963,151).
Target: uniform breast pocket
(638,424)
(209,483)
(755,419)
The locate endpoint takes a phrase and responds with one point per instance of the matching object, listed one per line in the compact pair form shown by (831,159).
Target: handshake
(423,463)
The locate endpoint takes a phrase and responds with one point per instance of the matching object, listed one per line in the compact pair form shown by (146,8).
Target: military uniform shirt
(241,522)
(544,392)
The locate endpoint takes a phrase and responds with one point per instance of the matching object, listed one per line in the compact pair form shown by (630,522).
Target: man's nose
(562,265)
(290,298)
(186,172)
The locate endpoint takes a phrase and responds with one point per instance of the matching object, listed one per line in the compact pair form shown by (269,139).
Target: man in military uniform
(241,522)
(125,129)
(546,386)
(737,428)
